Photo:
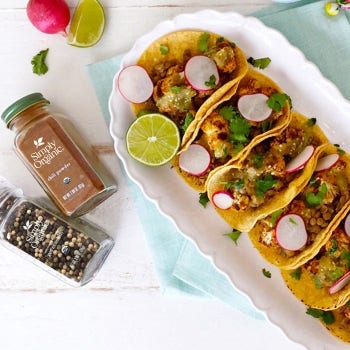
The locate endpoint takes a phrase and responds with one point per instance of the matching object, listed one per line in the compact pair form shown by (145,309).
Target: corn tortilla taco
(309,218)
(262,183)
(323,281)
(165,61)
(227,135)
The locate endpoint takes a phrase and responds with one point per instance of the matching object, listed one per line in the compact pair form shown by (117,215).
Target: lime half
(153,139)
(87,25)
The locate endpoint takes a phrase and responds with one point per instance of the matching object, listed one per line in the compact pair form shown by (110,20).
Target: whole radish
(49,16)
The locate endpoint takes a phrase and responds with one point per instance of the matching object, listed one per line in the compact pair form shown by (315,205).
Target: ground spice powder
(71,180)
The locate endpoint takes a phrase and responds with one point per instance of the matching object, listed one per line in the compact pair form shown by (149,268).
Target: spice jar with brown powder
(75,182)
(71,249)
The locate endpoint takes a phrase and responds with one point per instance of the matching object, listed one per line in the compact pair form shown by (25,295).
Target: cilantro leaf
(327,316)
(188,119)
(211,82)
(258,160)
(203,42)
(203,199)
(276,101)
(260,63)
(265,184)
(38,62)
(234,235)
(266,273)
(296,274)
(315,199)
(239,126)
(311,121)
(164,49)
(236,184)
(275,215)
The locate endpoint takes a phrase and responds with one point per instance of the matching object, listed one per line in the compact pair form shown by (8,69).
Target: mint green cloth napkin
(179,265)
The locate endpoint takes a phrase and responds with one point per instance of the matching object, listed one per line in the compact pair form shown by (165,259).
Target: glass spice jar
(75,182)
(71,249)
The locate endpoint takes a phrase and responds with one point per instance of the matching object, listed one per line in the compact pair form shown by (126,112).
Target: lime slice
(87,25)
(153,139)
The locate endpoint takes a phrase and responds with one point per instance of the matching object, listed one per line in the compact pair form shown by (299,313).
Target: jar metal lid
(21,105)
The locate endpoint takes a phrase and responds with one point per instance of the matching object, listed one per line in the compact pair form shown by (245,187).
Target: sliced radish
(195,160)
(201,73)
(254,107)
(134,84)
(222,199)
(340,284)
(347,225)
(327,162)
(300,160)
(290,232)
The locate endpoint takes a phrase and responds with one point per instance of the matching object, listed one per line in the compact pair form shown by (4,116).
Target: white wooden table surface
(123,308)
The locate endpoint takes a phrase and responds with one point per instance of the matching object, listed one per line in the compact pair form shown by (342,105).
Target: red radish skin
(135,84)
(195,160)
(340,284)
(222,199)
(254,107)
(300,160)
(198,71)
(327,162)
(347,225)
(49,16)
(290,232)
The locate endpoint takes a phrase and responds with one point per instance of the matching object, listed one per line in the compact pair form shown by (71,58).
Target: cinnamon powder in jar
(74,183)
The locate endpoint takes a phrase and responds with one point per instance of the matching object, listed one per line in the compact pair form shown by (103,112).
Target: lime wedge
(87,24)
(153,139)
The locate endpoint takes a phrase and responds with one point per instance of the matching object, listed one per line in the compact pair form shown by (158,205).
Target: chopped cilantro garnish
(38,62)
(237,184)
(276,101)
(345,254)
(315,199)
(234,235)
(203,199)
(334,246)
(164,49)
(203,42)
(239,126)
(274,216)
(211,82)
(336,274)
(296,274)
(326,316)
(311,121)
(260,63)
(266,273)
(188,119)
(265,184)
(258,160)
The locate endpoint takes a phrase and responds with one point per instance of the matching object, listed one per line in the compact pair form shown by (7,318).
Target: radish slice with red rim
(195,160)
(290,232)
(300,160)
(327,162)
(201,73)
(347,225)
(340,284)
(135,84)
(222,199)
(254,107)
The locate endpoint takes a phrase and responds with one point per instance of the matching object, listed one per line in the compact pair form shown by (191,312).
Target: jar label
(50,240)
(56,161)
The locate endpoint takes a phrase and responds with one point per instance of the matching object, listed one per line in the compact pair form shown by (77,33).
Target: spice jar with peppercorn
(71,249)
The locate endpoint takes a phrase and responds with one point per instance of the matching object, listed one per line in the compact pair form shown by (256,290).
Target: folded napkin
(179,265)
